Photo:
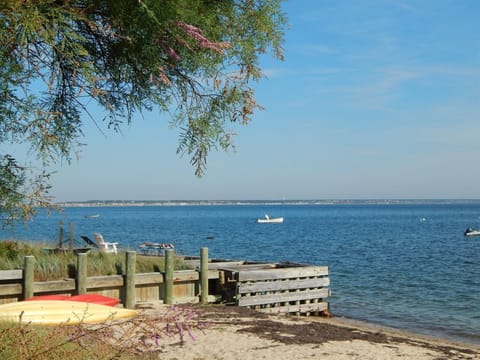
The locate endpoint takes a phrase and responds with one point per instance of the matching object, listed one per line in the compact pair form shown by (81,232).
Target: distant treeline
(91,203)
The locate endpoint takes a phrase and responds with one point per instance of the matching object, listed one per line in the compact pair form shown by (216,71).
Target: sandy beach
(240,333)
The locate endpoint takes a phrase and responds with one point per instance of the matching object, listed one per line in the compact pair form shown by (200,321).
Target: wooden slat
(10,289)
(104,281)
(283,273)
(279,285)
(283,297)
(149,278)
(54,286)
(223,264)
(11,274)
(249,267)
(302,308)
(179,276)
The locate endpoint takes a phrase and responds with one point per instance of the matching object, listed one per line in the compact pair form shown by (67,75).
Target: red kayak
(87,298)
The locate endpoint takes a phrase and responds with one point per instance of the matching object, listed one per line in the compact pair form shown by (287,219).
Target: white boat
(471,232)
(268,220)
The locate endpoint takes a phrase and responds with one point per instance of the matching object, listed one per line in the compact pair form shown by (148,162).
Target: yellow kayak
(54,312)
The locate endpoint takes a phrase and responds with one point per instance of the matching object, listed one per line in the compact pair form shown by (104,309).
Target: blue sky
(375,99)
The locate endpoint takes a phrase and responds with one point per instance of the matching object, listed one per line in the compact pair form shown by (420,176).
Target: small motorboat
(268,220)
(471,232)
(149,248)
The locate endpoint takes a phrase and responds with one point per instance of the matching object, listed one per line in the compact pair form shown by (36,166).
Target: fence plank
(11,289)
(11,275)
(54,286)
(302,308)
(279,285)
(283,297)
(282,273)
(104,281)
(155,278)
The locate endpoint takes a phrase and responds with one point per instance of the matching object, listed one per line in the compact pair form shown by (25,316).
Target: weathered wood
(155,278)
(106,281)
(54,286)
(279,285)
(302,308)
(130,280)
(169,267)
(11,275)
(60,234)
(282,273)
(178,276)
(272,298)
(81,275)
(248,267)
(71,236)
(204,275)
(11,289)
(223,264)
(28,267)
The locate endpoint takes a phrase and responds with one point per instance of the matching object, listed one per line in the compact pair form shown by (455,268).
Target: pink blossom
(202,41)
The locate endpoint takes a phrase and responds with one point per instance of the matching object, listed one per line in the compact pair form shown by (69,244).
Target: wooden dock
(268,287)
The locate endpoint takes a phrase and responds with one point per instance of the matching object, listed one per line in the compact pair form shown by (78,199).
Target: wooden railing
(131,288)
(268,287)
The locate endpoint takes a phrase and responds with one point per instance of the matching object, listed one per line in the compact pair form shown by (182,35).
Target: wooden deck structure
(267,287)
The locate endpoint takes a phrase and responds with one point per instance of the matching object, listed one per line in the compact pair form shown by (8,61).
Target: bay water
(405,265)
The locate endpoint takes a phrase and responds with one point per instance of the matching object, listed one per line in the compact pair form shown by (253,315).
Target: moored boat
(54,312)
(268,220)
(471,232)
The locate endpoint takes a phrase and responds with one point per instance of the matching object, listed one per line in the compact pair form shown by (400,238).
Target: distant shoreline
(123,203)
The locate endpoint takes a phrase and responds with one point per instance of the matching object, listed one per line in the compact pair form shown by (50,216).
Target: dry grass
(54,266)
(137,338)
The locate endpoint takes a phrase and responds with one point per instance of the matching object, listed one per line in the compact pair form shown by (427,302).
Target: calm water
(406,266)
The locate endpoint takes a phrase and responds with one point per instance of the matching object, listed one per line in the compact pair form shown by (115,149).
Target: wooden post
(29,264)
(81,274)
(204,275)
(169,267)
(130,280)
(71,234)
(60,234)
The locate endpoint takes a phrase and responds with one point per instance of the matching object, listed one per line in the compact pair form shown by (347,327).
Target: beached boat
(54,312)
(149,248)
(86,298)
(268,220)
(471,232)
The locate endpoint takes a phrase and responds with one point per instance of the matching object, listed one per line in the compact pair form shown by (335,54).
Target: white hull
(472,233)
(270,221)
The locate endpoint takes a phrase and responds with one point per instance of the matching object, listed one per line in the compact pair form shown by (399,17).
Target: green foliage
(192,60)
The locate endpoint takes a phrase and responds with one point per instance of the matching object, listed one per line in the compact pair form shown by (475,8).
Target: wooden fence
(281,288)
(268,287)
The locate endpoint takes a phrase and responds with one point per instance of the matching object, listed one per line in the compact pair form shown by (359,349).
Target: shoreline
(371,326)
(265,202)
(235,333)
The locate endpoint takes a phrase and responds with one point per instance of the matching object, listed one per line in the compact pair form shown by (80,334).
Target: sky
(376,99)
